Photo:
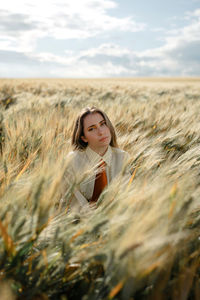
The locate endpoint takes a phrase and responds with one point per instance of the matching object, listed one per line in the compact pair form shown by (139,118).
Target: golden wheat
(142,240)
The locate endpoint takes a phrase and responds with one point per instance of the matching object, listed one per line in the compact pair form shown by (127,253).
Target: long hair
(77,142)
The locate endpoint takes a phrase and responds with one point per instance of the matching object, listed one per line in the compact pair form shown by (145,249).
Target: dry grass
(142,241)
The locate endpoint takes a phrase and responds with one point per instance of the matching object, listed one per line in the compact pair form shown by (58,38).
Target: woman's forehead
(92,119)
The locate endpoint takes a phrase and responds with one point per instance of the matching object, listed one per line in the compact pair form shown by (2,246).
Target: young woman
(96,158)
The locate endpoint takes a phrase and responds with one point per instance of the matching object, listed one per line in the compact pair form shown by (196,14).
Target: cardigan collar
(95,158)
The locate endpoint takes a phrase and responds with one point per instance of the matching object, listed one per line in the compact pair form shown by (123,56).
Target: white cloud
(106,49)
(158,29)
(93,70)
(179,55)
(30,20)
(190,15)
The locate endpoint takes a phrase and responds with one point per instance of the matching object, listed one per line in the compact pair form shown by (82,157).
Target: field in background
(142,242)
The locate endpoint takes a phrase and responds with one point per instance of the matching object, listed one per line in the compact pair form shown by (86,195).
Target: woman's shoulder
(76,155)
(120,152)
(76,158)
(120,156)
(120,160)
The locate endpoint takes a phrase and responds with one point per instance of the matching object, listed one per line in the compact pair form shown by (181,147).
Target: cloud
(107,49)
(85,64)
(30,20)
(11,57)
(104,61)
(13,23)
(179,55)
(110,60)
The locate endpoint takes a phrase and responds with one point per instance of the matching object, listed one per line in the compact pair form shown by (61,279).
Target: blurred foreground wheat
(143,240)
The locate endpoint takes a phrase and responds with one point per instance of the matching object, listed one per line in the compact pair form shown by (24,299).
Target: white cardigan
(82,169)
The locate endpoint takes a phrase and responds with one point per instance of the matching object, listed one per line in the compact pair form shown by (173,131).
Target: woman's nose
(100,130)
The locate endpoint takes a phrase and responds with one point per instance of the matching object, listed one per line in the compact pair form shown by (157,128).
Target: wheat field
(143,240)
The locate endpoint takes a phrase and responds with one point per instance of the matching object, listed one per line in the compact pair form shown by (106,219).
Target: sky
(99,38)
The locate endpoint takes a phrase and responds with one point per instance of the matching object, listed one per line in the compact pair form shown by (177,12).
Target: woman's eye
(104,123)
(90,129)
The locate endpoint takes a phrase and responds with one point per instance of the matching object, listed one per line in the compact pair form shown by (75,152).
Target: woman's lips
(103,139)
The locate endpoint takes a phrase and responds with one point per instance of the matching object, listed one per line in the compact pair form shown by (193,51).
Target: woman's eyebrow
(96,124)
(91,126)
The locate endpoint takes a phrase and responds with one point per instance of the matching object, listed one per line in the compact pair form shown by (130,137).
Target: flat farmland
(142,241)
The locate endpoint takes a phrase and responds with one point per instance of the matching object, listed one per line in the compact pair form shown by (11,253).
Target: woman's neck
(100,151)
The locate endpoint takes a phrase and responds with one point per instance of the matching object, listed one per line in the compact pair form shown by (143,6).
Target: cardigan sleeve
(71,197)
(121,165)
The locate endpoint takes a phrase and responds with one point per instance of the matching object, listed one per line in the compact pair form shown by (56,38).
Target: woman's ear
(84,139)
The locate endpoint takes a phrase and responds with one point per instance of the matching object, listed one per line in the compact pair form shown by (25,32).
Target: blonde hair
(77,141)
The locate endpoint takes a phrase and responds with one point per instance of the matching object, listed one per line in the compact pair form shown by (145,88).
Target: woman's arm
(71,197)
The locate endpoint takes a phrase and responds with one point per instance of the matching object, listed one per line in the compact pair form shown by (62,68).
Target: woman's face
(96,133)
